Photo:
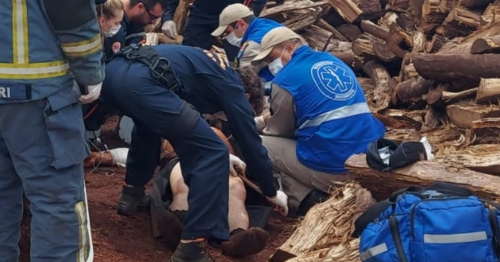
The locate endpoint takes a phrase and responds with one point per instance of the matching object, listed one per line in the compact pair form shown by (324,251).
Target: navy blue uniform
(203,19)
(207,83)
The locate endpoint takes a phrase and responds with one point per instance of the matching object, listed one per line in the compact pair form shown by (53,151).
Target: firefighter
(203,19)
(153,86)
(47,46)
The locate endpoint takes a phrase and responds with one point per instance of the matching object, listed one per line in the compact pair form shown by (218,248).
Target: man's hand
(261,121)
(169,29)
(280,201)
(236,162)
(94,93)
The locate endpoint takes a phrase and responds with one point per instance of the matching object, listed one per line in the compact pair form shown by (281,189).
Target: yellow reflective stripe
(20,31)
(34,70)
(82,48)
(83,239)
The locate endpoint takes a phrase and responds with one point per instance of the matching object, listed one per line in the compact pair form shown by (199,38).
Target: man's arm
(250,51)
(242,124)
(171,6)
(282,120)
(257,6)
(79,35)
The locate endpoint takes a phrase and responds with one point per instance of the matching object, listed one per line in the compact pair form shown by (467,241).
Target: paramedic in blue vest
(138,14)
(203,19)
(159,108)
(240,27)
(319,115)
(42,138)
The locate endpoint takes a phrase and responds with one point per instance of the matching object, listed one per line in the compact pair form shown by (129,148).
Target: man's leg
(142,160)
(197,33)
(47,147)
(11,195)
(298,180)
(243,240)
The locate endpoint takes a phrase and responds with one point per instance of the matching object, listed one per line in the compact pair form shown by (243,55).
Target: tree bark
(462,114)
(489,91)
(347,9)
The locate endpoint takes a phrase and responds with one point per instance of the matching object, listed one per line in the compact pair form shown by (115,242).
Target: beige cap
(274,37)
(229,15)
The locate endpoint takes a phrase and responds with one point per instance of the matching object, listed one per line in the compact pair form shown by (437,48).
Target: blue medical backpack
(439,223)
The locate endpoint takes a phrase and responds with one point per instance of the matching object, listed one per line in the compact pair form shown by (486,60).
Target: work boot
(245,242)
(191,252)
(132,200)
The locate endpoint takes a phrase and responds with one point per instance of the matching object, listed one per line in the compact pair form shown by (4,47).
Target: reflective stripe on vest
(21,68)
(342,112)
(82,48)
(374,251)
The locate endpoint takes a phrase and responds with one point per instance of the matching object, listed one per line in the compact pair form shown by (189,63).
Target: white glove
(94,93)
(280,201)
(169,28)
(260,123)
(236,162)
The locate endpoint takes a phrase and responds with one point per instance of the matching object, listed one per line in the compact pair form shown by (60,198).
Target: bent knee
(237,188)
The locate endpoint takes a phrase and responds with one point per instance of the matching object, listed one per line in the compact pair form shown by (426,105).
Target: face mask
(112,31)
(276,65)
(233,40)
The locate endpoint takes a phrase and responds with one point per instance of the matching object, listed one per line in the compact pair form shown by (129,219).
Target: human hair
(109,8)
(248,19)
(253,86)
(148,3)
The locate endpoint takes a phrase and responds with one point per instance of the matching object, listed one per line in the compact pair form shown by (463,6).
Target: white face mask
(112,31)
(276,65)
(233,39)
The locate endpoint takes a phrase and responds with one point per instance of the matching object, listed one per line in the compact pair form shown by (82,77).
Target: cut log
(366,84)
(447,5)
(349,10)
(302,19)
(399,41)
(382,51)
(452,97)
(336,33)
(363,46)
(480,158)
(412,89)
(462,114)
(388,20)
(460,22)
(416,10)
(463,46)
(398,5)
(380,77)
(317,37)
(489,91)
(371,9)
(351,32)
(290,6)
(398,121)
(435,44)
(445,68)
(474,3)
(434,117)
(407,70)
(435,94)
(402,135)
(491,15)
(406,22)
(419,41)
(328,225)
(485,131)
(181,14)
(486,45)
(348,57)
(421,173)
(431,12)
(376,30)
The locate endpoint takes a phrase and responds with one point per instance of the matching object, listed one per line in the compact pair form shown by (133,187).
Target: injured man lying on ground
(169,206)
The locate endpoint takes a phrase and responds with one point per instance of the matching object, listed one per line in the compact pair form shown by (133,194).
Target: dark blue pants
(42,148)
(159,113)
(198,32)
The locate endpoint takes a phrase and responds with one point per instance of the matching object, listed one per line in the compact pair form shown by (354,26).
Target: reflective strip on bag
(455,238)
(374,251)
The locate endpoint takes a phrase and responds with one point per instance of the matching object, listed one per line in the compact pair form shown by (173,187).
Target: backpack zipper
(393,224)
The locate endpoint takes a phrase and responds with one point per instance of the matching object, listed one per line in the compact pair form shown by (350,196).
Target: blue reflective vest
(256,30)
(333,120)
(38,61)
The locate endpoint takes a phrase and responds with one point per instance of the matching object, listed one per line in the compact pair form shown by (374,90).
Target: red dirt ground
(129,239)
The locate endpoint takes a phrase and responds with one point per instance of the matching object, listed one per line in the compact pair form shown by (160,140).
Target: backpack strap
(450,189)
(492,216)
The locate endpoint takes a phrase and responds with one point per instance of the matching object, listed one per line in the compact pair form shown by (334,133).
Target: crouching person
(319,117)
(171,192)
